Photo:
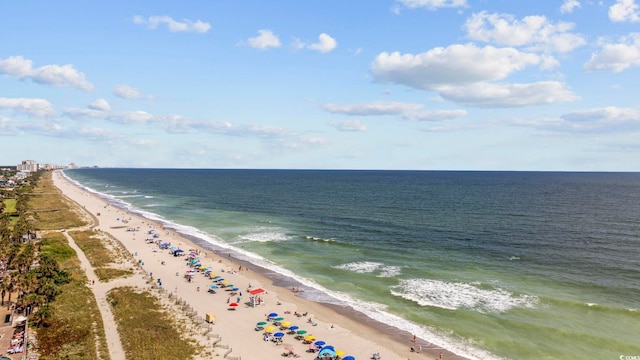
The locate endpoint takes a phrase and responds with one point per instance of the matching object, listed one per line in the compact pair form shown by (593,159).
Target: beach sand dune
(341,328)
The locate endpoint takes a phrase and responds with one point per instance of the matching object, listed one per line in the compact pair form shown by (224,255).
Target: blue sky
(375,84)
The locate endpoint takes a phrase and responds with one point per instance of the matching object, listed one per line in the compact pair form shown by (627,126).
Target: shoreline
(341,326)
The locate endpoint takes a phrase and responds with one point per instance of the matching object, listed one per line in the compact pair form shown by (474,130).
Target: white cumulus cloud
(54,75)
(325,44)
(128,92)
(38,108)
(616,56)
(153,22)
(432,4)
(624,11)
(455,64)
(533,31)
(487,94)
(265,39)
(100,105)
(568,6)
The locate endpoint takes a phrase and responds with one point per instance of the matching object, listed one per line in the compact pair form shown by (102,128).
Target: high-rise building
(28,166)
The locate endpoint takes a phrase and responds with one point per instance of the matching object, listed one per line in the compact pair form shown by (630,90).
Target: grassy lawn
(9,206)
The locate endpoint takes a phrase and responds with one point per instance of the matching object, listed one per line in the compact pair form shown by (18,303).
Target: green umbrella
(262,323)
(301,332)
(278,319)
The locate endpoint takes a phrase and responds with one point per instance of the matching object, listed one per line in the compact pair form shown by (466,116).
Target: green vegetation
(146,330)
(54,211)
(100,257)
(53,285)
(10,206)
(73,328)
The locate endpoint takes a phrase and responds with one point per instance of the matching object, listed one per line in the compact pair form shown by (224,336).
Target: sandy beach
(342,328)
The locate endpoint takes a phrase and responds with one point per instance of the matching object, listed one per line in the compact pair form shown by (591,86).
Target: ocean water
(513,265)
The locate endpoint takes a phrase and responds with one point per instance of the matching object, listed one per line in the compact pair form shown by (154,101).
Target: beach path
(100,290)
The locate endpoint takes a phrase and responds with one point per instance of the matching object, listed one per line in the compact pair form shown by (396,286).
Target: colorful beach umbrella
(261,323)
(294,327)
(349,357)
(269,329)
(301,332)
(233,304)
(278,319)
(340,353)
(309,338)
(213,287)
(319,343)
(278,334)
(272,315)
(285,324)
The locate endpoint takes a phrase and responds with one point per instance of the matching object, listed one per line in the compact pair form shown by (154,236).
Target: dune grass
(146,329)
(54,211)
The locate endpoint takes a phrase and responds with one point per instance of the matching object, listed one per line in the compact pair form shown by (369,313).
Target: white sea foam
(389,271)
(456,295)
(361,267)
(265,234)
(366,267)
(318,239)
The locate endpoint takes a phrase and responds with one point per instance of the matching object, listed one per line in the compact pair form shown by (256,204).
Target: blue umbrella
(348,358)
(213,286)
(235,289)
(294,327)
(278,334)
(327,350)
(319,343)
(273,315)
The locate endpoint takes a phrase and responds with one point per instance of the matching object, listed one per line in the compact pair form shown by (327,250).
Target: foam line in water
(365,267)
(265,234)
(456,295)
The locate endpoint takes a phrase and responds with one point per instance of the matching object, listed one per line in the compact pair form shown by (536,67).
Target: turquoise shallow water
(490,264)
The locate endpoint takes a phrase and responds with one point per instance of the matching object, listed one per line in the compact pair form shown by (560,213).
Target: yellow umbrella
(339,353)
(285,323)
(309,338)
(212,275)
(269,329)
(225,282)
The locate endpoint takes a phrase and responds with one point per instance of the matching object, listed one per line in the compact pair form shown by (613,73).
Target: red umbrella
(233,304)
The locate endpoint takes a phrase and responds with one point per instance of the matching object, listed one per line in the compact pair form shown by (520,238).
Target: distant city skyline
(390,84)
